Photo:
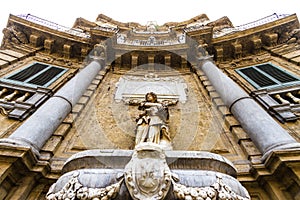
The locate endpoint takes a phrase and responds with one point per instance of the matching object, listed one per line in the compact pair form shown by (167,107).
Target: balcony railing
(261,21)
(253,24)
(53,25)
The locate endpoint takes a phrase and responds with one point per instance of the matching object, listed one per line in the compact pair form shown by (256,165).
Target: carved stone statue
(152,123)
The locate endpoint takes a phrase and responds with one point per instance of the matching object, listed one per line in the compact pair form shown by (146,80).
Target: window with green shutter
(23,91)
(267,75)
(36,74)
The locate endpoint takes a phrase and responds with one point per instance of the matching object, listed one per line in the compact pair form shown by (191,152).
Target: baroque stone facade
(222,122)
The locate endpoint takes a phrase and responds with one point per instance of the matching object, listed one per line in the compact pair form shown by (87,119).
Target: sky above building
(141,11)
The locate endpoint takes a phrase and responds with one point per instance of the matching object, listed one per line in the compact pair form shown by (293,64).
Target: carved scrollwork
(12,34)
(75,190)
(294,34)
(217,191)
(3,111)
(99,51)
(98,54)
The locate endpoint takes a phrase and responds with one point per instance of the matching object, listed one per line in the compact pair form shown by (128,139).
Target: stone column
(134,60)
(168,60)
(151,61)
(184,60)
(118,61)
(38,128)
(263,130)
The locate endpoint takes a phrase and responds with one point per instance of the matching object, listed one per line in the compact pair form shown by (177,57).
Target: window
(267,76)
(23,91)
(37,74)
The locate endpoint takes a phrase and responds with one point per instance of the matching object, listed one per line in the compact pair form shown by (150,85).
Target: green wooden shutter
(46,77)
(258,78)
(276,73)
(37,74)
(267,76)
(28,72)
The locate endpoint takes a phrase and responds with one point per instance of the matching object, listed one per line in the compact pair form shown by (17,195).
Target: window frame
(278,83)
(7,79)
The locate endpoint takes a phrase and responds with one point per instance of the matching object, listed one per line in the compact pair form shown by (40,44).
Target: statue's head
(151,97)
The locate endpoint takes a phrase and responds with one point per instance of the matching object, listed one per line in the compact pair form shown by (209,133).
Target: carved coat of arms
(147,175)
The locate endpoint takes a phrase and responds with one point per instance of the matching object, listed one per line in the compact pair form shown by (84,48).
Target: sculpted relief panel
(133,88)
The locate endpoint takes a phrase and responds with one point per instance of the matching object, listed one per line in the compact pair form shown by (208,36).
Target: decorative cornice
(38,27)
(257,29)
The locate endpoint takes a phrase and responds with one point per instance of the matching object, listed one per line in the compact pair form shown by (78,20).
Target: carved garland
(217,191)
(3,111)
(75,190)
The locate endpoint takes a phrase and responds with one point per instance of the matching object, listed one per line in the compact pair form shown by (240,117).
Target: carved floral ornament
(147,177)
(132,88)
(75,190)
(217,191)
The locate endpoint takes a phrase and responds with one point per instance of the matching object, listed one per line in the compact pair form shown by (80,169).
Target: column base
(19,142)
(289,146)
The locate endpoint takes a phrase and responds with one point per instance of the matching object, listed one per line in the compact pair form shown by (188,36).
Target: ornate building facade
(197,109)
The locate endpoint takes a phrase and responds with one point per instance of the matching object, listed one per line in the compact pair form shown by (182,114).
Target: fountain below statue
(152,171)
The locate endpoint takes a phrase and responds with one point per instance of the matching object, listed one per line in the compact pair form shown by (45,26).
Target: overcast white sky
(65,12)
